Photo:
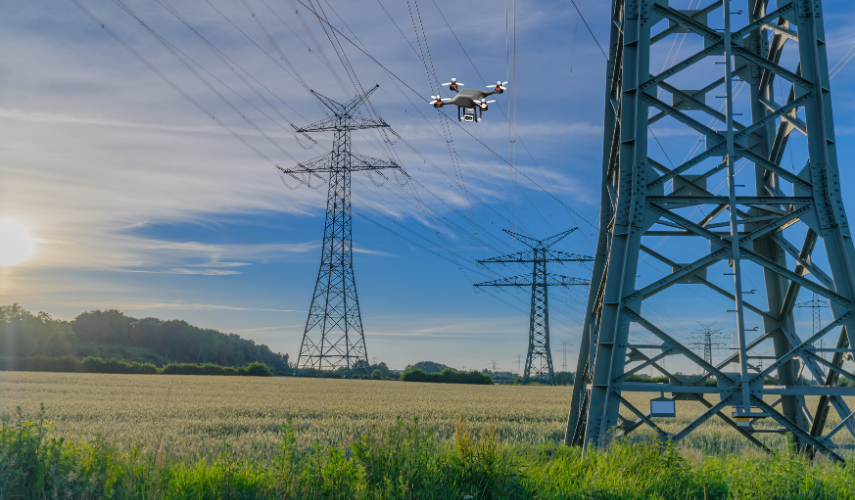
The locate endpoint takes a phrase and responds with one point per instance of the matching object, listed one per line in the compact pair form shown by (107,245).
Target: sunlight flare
(16,244)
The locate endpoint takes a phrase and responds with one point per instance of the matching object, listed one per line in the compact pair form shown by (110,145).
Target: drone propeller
(455,83)
(499,85)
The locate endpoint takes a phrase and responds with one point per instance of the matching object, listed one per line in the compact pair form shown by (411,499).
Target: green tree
(23,334)
(111,334)
(427,366)
(563,378)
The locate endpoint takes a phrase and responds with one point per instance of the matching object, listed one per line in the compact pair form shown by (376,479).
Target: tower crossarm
(525,240)
(529,257)
(552,240)
(336,108)
(519,257)
(333,123)
(540,244)
(358,100)
(363,162)
(524,280)
(325,164)
(342,110)
(558,256)
(311,167)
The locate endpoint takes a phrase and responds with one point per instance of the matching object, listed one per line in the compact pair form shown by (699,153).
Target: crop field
(195,416)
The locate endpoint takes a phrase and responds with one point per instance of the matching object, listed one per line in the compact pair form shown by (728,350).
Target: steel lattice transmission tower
(538,361)
(708,340)
(776,44)
(333,336)
(816,306)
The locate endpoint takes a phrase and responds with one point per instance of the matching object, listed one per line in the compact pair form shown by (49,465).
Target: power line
(589,29)
(169,82)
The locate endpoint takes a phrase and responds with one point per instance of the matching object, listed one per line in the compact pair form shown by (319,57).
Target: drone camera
(468,118)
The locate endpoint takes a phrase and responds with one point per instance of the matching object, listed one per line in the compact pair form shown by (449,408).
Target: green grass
(403,461)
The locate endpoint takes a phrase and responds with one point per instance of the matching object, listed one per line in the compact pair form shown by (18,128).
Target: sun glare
(15,243)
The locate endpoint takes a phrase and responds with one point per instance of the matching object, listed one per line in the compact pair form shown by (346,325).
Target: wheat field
(195,416)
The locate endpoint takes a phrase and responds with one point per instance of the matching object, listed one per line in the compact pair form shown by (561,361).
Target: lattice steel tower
(538,362)
(747,228)
(816,306)
(709,340)
(333,336)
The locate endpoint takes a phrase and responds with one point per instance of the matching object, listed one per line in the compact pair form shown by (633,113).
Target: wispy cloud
(220,264)
(17,114)
(205,272)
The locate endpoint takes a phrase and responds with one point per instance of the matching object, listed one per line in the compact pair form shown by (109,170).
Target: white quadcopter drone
(470,103)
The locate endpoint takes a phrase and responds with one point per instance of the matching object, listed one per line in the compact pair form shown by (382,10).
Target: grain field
(190,416)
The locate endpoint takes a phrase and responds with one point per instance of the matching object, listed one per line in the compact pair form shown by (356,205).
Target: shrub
(645,378)
(255,370)
(117,366)
(42,364)
(427,367)
(447,376)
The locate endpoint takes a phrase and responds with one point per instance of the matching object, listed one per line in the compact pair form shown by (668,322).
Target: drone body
(471,103)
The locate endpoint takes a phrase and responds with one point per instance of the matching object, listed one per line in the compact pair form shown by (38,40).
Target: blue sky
(140,201)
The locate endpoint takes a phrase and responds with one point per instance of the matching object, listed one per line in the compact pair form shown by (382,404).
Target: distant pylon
(538,362)
(564,355)
(708,340)
(816,305)
(333,336)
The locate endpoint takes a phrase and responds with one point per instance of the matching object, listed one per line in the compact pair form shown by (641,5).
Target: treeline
(92,364)
(447,376)
(111,334)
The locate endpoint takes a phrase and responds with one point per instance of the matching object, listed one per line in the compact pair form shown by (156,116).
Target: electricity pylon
(708,340)
(741,230)
(816,307)
(564,355)
(538,361)
(333,336)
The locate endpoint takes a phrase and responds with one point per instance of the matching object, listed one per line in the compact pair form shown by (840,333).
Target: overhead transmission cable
(170,82)
(449,141)
(325,23)
(518,138)
(293,69)
(455,154)
(234,67)
(498,105)
(188,63)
